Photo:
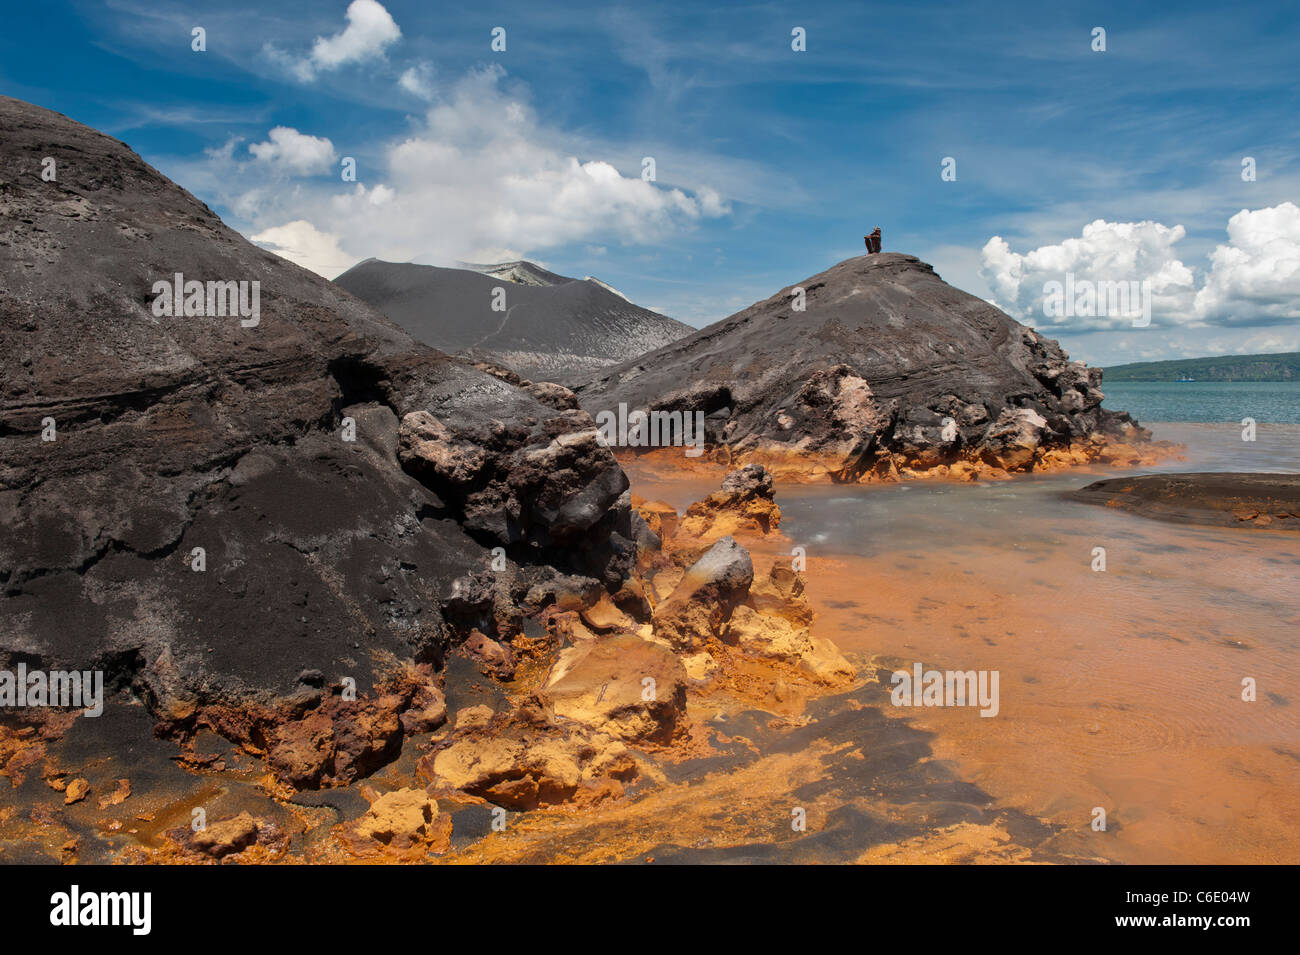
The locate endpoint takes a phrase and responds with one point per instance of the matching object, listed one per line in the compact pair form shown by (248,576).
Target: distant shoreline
(1206,401)
(1275,367)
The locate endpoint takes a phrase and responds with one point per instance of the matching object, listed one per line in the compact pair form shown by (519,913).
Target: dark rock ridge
(1224,499)
(553,328)
(888,366)
(322,558)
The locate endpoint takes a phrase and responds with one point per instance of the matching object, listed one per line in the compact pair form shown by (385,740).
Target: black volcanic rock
(1224,499)
(887,365)
(173,434)
(553,328)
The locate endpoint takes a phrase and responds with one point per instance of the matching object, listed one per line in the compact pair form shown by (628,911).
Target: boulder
(525,759)
(702,602)
(763,635)
(473,716)
(426,447)
(745,502)
(337,741)
(497,659)
(428,711)
(402,819)
(226,836)
(565,591)
(751,481)
(76,791)
(621,685)
(781,594)
(1013,440)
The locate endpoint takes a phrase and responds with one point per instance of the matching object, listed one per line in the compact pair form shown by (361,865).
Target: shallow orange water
(1119,689)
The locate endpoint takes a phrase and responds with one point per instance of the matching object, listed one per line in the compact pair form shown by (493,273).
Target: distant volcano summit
(876,367)
(542,325)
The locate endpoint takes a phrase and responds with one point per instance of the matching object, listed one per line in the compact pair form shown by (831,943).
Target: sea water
(1205,401)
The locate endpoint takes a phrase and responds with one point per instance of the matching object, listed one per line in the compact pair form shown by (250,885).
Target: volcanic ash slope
(887,371)
(228,515)
(541,325)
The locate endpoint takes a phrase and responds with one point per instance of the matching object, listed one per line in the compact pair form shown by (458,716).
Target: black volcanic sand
(557,329)
(1224,499)
(867,780)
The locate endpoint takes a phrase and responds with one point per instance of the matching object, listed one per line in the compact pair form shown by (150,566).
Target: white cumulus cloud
(1251,280)
(480,179)
(295,151)
(302,243)
(370,31)
(1255,278)
(1105,252)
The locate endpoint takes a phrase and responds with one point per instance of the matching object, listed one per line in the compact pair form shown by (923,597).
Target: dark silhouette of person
(873,241)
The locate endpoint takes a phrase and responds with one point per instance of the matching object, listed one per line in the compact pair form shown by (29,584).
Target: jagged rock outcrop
(540,325)
(745,502)
(528,757)
(718,610)
(630,688)
(706,595)
(885,367)
(208,506)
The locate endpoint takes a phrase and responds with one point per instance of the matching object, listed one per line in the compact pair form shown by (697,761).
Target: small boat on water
(1184,378)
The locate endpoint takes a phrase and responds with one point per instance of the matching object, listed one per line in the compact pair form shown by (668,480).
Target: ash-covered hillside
(231,507)
(876,365)
(543,326)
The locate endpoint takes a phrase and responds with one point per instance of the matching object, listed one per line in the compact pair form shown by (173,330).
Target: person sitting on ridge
(873,241)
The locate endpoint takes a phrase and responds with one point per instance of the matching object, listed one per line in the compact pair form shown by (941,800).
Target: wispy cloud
(369,32)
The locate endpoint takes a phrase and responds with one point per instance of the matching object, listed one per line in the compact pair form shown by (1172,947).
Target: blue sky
(770,164)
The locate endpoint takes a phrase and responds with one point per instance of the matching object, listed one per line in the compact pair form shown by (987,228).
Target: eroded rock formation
(877,368)
(256,526)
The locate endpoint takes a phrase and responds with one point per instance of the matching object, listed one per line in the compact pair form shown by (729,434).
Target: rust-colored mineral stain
(148,832)
(1131,707)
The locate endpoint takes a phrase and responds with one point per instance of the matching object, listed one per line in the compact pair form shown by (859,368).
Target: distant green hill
(1284,366)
